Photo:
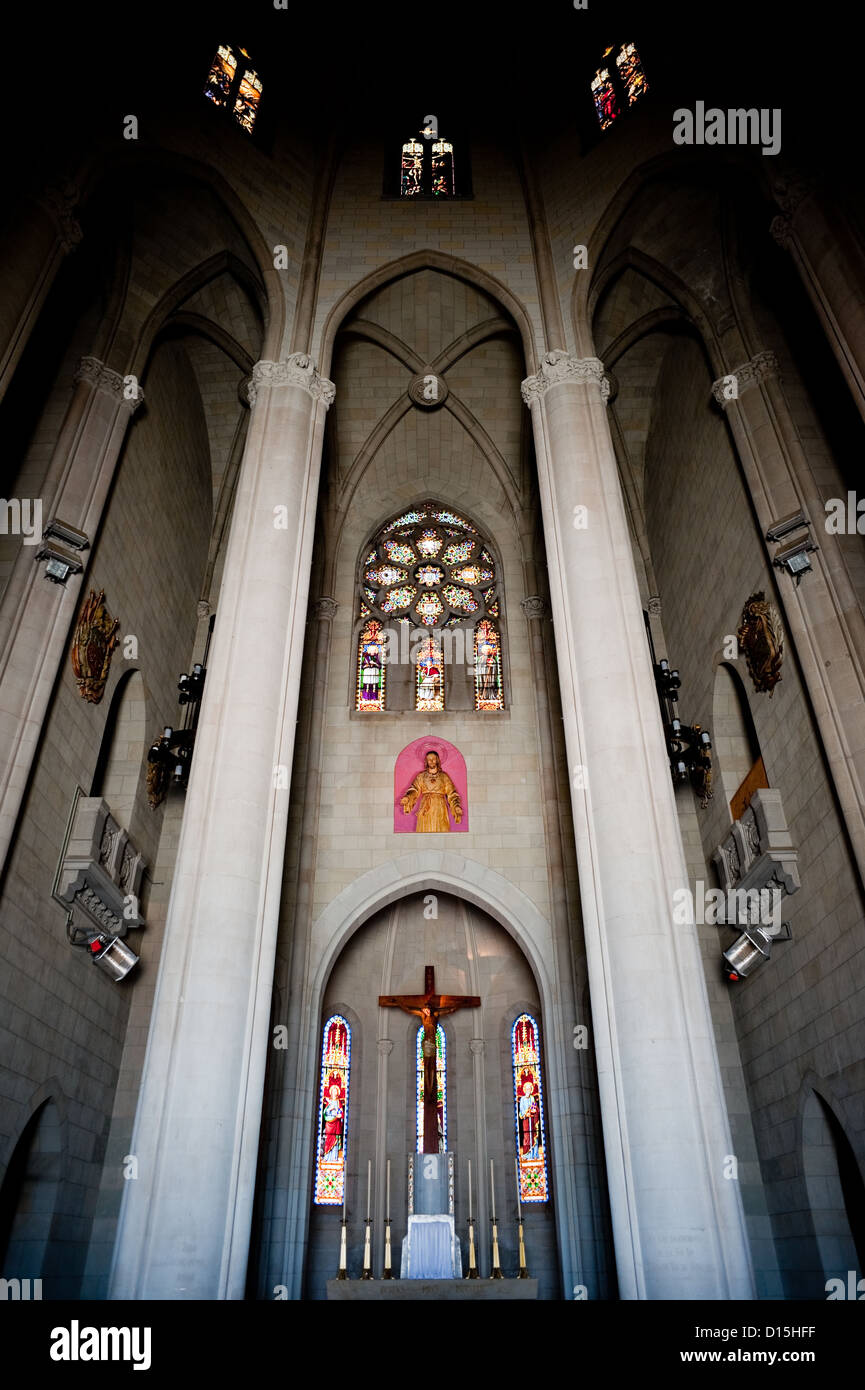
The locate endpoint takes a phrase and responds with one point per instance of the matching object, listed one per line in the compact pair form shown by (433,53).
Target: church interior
(432,689)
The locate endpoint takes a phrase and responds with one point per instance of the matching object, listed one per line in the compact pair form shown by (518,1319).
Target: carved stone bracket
(749,374)
(385,1047)
(558,367)
(759,853)
(533,606)
(296,370)
(102,378)
(101,870)
(781,230)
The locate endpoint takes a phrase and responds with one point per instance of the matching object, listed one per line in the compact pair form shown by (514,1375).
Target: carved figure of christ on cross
(429,1008)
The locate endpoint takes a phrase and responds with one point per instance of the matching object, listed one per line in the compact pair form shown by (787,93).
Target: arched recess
(734,736)
(426,871)
(124,745)
(427,260)
(834,1184)
(472,954)
(30,1195)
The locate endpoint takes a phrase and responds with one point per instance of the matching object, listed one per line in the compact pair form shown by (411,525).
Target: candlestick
(492,1192)
(519,1208)
(387,1199)
(368,1186)
(470,1189)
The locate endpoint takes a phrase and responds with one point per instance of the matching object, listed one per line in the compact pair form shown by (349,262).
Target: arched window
(529,1110)
(330,1153)
(233,84)
(429,677)
(488,667)
(618,83)
(371,669)
(427,583)
(427,168)
(441,1088)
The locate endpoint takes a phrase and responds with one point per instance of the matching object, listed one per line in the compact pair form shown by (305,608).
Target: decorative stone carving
(296,370)
(93,642)
(761,637)
(325,609)
(533,606)
(102,378)
(203,609)
(749,374)
(60,201)
(655,605)
(759,853)
(101,870)
(791,188)
(428,390)
(385,1047)
(559,366)
(781,230)
(476,1046)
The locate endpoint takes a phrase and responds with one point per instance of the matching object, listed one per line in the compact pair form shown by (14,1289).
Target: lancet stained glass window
(529,1110)
(427,168)
(330,1154)
(618,83)
(371,670)
(441,1088)
(430,678)
(233,83)
(488,667)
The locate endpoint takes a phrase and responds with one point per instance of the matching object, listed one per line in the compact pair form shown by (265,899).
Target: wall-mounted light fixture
(60,562)
(793,556)
(113,956)
(751,949)
(689,746)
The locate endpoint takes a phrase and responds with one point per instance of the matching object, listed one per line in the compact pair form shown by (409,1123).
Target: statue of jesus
(435,791)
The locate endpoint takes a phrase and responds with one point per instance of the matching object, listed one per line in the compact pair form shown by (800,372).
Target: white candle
(519,1208)
(470,1189)
(368,1185)
(344,1190)
(387,1201)
(492,1192)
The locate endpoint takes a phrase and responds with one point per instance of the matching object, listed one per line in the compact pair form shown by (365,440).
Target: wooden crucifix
(429,1008)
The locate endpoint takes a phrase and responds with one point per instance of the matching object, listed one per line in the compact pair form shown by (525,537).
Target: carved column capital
(325,609)
(655,605)
(60,201)
(296,370)
(533,606)
(730,387)
(476,1046)
(559,366)
(125,389)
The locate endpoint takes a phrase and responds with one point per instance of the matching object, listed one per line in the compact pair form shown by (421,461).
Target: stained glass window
(604,95)
(463,599)
(631,72)
(221,76)
(429,680)
(441,1088)
(443,168)
(431,570)
(427,168)
(618,84)
(234,84)
(371,669)
(330,1154)
(411,170)
(488,667)
(529,1110)
(398,598)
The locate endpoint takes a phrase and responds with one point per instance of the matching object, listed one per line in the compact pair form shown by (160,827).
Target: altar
(430,1248)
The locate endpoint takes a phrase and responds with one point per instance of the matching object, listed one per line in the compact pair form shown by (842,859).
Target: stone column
(35,614)
(832,268)
(33,250)
(678,1226)
(822,612)
(185,1223)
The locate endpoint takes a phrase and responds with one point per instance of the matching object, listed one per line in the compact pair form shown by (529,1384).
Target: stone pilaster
(822,612)
(664,1118)
(35,614)
(185,1224)
(831,264)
